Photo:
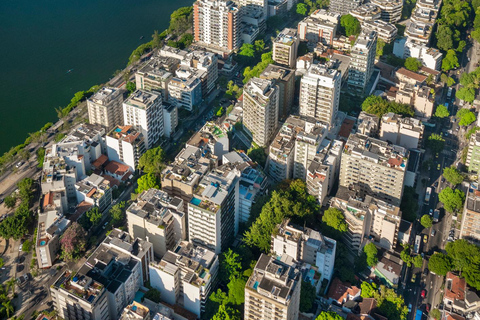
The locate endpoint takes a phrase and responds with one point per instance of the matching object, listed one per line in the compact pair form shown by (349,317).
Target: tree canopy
(152,161)
(307,296)
(389,304)
(117,213)
(154,295)
(409,204)
(406,256)
(439,263)
(329,315)
(73,242)
(466,116)
(350,24)
(452,175)
(413,64)
(435,142)
(465,94)
(452,199)
(334,218)
(302,9)
(450,61)
(258,155)
(378,106)
(146,182)
(94,215)
(371,251)
(442,112)
(426,221)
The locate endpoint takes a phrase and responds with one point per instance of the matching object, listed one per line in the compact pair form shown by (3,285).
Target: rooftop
(286,37)
(259,90)
(412,75)
(156,68)
(106,95)
(367,11)
(143,99)
(273,71)
(127,134)
(323,18)
(342,291)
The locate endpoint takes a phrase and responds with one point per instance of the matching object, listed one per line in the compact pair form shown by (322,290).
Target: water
(41,40)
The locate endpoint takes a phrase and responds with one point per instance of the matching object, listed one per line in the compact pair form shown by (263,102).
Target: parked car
(432,234)
(425,271)
(425,238)
(427,307)
(19,164)
(414,277)
(423,294)
(438,167)
(430,211)
(20,248)
(409,307)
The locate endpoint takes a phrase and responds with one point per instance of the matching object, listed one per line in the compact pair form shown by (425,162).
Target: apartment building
(217,23)
(418,95)
(459,299)
(368,219)
(185,276)
(285,48)
(419,32)
(159,218)
(273,288)
(473,155)
(321,26)
(367,12)
(50,227)
(470,229)
(368,124)
(406,132)
(170,119)
(391,9)
(385,31)
(429,4)
(185,89)
(207,64)
(94,190)
(153,75)
(212,139)
(105,107)
(143,110)
(343,7)
(284,78)
(376,166)
(136,311)
(363,60)
(324,169)
(213,211)
(125,144)
(260,110)
(181,178)
(57,175)
(320,93)
(430,57)
(305,245)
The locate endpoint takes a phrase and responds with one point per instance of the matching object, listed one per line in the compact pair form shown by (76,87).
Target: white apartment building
(95,190)
(154,76)
(285,48)
(368,124)
(125,144)
(170,118)
(273,285)
(217,23)
(105,107)
(376,167)
(185,89)
(159,218)
(212,139)
(307,144)
(391,9)
(321,26)
(343,7)
(260,109)
(57,175)
(405,132)
(363,60)
(144,110)
(185,276)
(385,31)
(208,63)
(305,245)
(285,80)
(367,12)
(419,32)
(430,57)
(213,211)
(320,93)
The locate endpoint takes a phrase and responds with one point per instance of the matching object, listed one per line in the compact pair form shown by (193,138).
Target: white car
(18,165)
(20,248)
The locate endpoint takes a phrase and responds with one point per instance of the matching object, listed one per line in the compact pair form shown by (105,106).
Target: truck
(418,315)
(428,192)
(418,243)
(436,215)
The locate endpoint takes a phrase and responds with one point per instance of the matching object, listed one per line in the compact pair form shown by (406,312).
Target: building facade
(125,144)
(321,26)
(105,108)
(285,47)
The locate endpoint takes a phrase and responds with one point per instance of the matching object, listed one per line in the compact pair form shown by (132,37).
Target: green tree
(452,199)
(426,221)
(302,9)
(27,246)
(450,61)
(236,290)
(131,87)
(73,241)
(94,215)
(40,157)
(117,213)
(307,296)
(435,142)
(25,189)
(346,274)
(378,106)
(417,261)
(152,161)
(247,50)
(7,306)
(405,255)
(334,218)
(153,295)
(466,117)
(435,314)
(146,182)
(409,204)
(452,175)
(230,266)
(156,39)
(412,64)
(444,38)
(258,155)
(10,285)
(259,45)
(181,20)
(10,201)
(439,263)
(369,290)
(380,45)
(371,252)
(227,313)
(2,263)
(466,94)
(350,24)
(464,255)
(442,112)
(328,315)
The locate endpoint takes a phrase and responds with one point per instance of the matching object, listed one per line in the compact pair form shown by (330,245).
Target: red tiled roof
(413,75)
(395,161)
(112,180)
(457,289)
(100,161)
(453,316)
(48,199)
(367,305)
(117,168)
(91,192)
(340,291)
(430,71)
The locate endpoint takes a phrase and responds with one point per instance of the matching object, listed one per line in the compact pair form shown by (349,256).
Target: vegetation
(406,256)
(94,216)
(450,61)
(389,304)
(466,116)
(371,252)
(413,64)
(470,83)
(439,263)
(334,218)
(426,221)
(233,91)
(302,9)
(258,155)
(307,296)
(435,314)
(10,201)
(448,80)
(293,202)
(328,315)
(407,9)
(470,132)
(152,161)
(180,20)
(117,213)
(435,142)
(40,157)
(409,204)
(249,73)
(465,258)
(350,25)
(452,175)
(131,87)
(153,295)
(452,199)
(27,246)
(442,112)
(146,182)
(73,242)
(379,106)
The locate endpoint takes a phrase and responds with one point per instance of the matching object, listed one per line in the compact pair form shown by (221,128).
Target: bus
(418,243)
(418,315)
(427,195)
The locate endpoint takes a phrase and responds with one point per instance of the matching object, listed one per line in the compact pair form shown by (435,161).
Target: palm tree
(11,285)
(8,307)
